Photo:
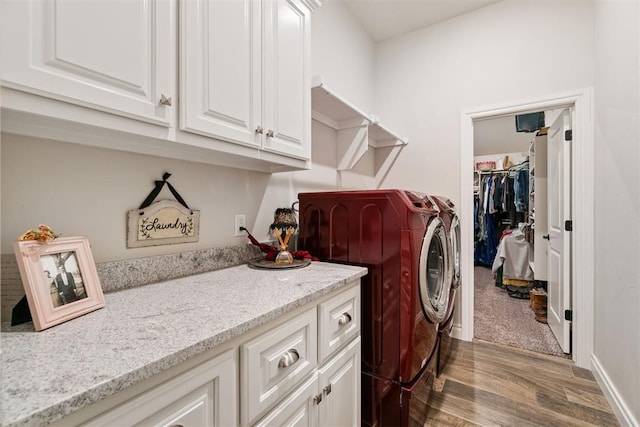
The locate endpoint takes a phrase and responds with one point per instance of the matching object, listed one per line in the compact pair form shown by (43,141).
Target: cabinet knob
(270,133)
(259,129)
(317,399)
(545,237)
(344,319)
(289,358)
(164,100)
(327,389)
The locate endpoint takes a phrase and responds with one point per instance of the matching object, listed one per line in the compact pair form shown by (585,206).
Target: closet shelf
(357,131)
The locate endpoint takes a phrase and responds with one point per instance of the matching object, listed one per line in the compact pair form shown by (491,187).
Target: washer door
(434,279)
(454,235)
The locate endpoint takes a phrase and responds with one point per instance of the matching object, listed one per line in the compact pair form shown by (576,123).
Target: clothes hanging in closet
(502,200)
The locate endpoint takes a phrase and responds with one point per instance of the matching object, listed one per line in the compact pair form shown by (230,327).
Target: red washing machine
(401,239)
(452,226)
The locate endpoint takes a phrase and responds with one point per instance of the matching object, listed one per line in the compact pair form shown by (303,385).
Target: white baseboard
(456,331)
(618,405)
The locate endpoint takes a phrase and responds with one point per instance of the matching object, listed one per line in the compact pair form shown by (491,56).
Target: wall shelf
(357,132)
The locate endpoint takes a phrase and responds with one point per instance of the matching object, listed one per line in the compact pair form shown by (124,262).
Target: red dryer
(399,236)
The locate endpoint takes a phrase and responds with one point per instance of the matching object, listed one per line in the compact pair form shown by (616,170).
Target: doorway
(582,206)
(511,237)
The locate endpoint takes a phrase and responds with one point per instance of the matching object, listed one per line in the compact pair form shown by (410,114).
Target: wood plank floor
(491,384)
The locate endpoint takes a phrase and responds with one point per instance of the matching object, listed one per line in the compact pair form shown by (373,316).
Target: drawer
(339,322)
(204,395)
(276,362)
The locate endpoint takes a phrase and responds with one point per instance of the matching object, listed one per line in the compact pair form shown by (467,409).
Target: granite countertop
(142,331)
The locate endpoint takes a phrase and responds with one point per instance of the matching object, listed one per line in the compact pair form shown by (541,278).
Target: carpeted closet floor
(501,319)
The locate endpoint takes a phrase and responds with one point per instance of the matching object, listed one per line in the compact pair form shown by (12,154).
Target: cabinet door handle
(327,389)
(344,319)
(545,237)
(290,357)
(270,133)
(164,100)
(259,129)
(317,399)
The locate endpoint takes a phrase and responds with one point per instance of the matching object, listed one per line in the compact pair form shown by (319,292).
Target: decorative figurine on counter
(284,256)
(283,220)
(284,228)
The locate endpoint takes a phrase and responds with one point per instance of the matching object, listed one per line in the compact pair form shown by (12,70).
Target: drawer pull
(344,319)
(289,358)
(327,389)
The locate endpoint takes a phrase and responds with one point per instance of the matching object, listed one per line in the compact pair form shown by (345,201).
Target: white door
(220,69)
(339,387)
(114,56)
(559,211)
(286,78)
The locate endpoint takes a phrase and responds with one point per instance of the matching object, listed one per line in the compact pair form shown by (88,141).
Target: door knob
(164,100)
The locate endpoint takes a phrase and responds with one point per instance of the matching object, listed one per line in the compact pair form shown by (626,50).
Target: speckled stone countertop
(142,331)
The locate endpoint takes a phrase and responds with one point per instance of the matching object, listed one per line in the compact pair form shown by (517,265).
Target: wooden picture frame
(60,279)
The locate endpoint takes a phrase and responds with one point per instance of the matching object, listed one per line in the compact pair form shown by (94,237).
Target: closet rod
(494,172)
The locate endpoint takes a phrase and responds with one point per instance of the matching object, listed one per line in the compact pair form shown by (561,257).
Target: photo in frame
(60,279)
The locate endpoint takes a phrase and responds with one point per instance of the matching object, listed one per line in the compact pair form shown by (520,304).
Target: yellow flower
(43,234)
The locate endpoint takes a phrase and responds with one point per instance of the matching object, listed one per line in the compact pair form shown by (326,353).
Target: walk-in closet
(510,232)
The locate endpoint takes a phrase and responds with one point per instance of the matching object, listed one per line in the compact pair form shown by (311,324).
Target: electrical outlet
(240,221)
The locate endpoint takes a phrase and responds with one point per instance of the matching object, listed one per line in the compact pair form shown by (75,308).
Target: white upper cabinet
(245,73)
(224,82)
(287,78)
(220,69)
(108,56)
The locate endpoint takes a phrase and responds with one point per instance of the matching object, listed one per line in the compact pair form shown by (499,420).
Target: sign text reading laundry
(165,223)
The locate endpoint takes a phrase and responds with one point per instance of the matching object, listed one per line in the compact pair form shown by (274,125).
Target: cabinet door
(340,388)
(116,57)
(220,69)
(287,85)
(298,409)
(205,395)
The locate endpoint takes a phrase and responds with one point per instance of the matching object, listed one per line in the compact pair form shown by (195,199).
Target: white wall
(495,136)
(343,54)
(617,194)
(508,51)
(81,190)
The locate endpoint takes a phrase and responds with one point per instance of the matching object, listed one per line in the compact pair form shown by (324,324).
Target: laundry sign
(164,222)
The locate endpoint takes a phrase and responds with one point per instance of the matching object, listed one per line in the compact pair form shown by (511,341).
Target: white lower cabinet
(203,396)
(272,367)
(339,383)
(297,409)
(302,369)
(330,397)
